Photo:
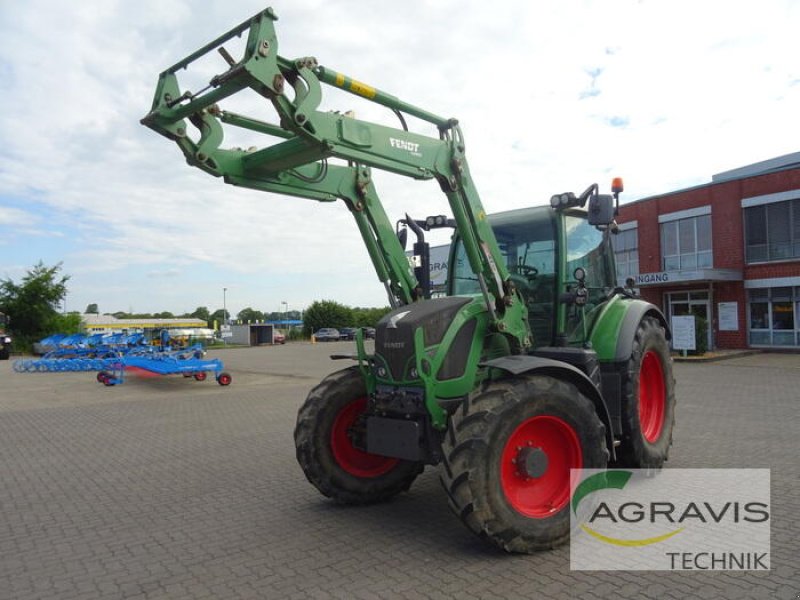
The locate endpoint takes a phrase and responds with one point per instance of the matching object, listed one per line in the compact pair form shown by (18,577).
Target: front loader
(535,363)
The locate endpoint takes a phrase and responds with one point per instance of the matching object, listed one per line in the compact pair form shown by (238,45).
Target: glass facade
(772,231)
(686,244)
(774,316)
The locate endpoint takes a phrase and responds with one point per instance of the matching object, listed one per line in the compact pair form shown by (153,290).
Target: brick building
(727,251)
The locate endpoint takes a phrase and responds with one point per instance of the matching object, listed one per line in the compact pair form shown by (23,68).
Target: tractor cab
(547,279)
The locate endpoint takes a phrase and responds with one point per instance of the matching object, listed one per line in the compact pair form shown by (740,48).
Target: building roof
(93,320)
(772,165)
(764,167)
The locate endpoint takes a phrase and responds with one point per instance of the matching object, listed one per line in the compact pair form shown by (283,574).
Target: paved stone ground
(171,488)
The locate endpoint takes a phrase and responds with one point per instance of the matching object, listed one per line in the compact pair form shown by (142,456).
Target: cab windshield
(527,241)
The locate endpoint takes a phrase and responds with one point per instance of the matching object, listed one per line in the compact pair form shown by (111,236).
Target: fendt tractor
(533,364)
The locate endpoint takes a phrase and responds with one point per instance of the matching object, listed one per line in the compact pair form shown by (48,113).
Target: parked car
(327,334)
(369,333)
(278,337)
(347,333)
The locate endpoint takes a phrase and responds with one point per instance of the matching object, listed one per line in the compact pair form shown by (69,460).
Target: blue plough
(111,355)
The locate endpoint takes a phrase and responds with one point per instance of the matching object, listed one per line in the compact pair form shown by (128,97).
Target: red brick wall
(727,228)
(730,291)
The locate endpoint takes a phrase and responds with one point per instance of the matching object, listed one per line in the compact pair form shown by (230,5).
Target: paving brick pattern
(172,488)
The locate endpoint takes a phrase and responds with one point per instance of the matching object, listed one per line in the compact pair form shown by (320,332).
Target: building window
(686,244)
(626,252)
(772,231)
(774,316)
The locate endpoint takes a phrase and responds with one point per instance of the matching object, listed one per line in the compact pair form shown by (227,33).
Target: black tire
(5,353)
(648,401)
(481,471)
(330,461)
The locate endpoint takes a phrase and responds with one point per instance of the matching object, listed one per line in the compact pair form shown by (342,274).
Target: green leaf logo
(615,480)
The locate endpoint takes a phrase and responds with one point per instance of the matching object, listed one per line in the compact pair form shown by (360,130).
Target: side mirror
(601,209)
(402,236)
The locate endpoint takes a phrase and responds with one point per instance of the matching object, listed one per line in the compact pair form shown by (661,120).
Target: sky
(552,96)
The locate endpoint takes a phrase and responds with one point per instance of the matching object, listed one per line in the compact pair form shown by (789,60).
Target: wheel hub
(535,465)
(531,462)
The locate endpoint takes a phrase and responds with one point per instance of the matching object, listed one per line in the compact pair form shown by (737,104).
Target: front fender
(518,364)
(615,328)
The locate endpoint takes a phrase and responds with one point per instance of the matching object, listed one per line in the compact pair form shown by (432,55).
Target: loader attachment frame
(305,138)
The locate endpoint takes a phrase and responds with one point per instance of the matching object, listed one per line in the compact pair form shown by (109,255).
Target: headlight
(6,340)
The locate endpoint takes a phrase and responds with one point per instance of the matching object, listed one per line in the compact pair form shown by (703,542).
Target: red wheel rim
(550,448)
(200,376)
(652,397)
(352,460)
(224,379)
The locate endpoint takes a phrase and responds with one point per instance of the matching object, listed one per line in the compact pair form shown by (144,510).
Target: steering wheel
(527,271)
(523,277)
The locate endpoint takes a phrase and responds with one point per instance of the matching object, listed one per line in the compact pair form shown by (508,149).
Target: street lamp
(285,314)
(224,306)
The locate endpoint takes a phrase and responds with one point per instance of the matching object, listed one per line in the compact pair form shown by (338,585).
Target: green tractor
(534,364)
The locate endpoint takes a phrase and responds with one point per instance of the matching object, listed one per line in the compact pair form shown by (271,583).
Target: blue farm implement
(111,358)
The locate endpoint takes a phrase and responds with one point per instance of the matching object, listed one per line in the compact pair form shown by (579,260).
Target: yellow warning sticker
(362,89)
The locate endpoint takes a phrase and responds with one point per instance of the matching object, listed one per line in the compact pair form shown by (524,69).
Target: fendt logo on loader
(412,147)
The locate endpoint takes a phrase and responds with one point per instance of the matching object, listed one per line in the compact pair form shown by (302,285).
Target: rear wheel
(508,454)
(327,455)
(648,403)
(200,376)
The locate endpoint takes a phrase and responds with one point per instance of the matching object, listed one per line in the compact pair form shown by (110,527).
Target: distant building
(108,324)
(727,251)
(439,257)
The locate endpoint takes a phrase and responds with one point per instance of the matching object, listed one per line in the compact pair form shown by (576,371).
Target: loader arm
(296,163)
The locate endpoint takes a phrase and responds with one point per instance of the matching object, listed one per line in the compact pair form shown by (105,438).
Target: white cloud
(14,217)
(551,96)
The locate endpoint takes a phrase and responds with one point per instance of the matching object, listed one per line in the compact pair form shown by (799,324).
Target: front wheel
(323,439)
(648,403)
(508,454)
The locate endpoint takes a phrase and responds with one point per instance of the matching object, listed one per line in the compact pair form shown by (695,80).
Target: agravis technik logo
(706,519)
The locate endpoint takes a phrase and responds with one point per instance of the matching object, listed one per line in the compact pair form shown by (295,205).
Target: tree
(368,317)
(326,313)
(201,312)
(164,315)
(32,304)
(250,315)
(92,309)
(68,323)
(219,317)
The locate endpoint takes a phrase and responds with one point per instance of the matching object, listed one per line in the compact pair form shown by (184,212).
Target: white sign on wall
(728,314)
(683,333)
